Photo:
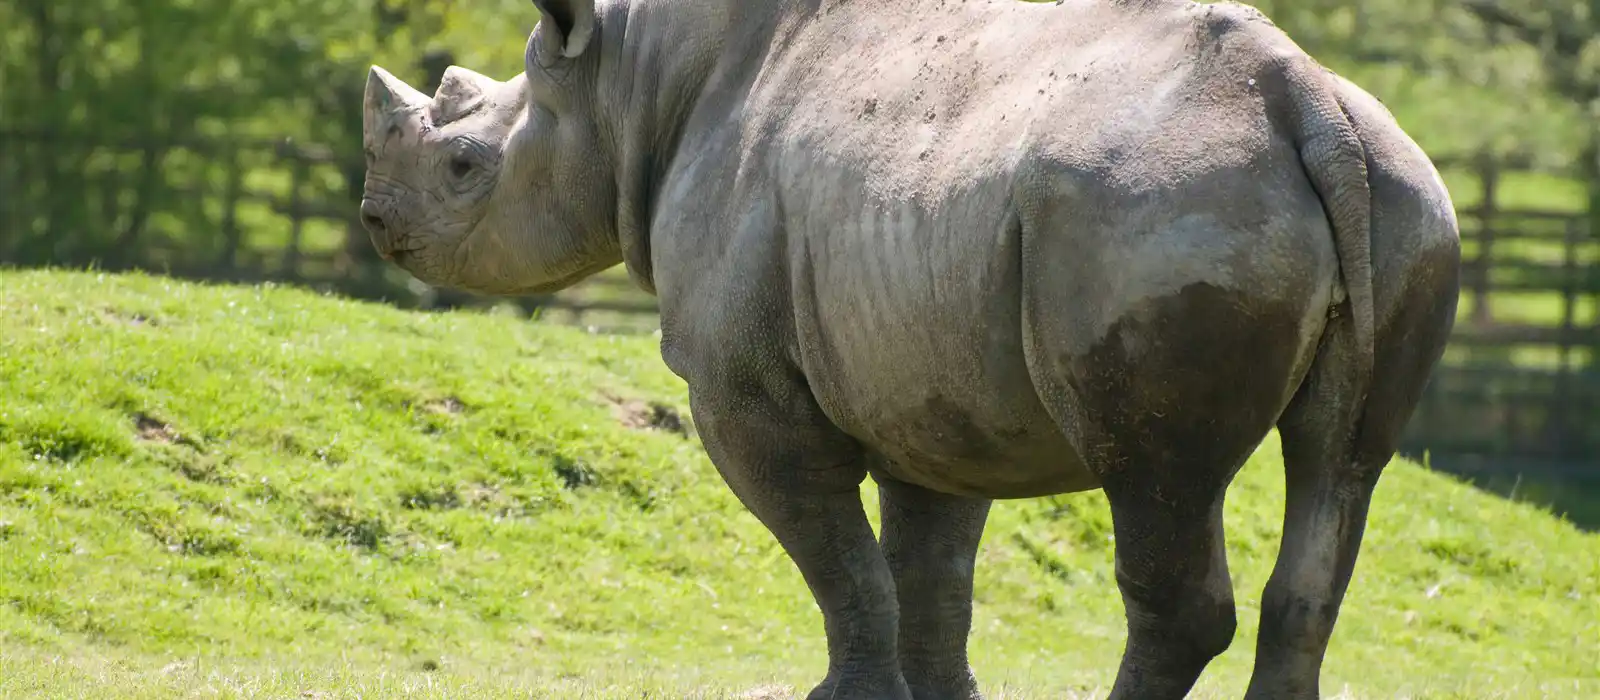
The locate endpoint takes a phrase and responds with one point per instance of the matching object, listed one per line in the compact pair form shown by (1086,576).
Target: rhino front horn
(387,94)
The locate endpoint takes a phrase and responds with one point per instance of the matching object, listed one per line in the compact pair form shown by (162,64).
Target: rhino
(974,250)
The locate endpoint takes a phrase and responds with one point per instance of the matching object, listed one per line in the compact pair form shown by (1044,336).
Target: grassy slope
(266,492)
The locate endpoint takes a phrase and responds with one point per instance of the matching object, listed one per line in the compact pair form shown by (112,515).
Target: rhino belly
(974,448)
(910,334)
(957,415)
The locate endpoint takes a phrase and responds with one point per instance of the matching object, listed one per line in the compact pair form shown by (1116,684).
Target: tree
(118,118)
(1566,34)
(1458,85)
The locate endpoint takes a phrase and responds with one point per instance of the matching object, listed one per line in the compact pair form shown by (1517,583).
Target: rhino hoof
(875,688)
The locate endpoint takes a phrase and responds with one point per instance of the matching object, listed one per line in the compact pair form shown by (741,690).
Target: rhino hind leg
(931,542)
(1331,471)
(801,477)
(1168,405)
(1172,569)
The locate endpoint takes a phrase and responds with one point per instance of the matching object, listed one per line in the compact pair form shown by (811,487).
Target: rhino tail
(1336,161)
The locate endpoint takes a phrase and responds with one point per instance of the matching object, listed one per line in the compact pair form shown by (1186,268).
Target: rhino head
(495,187)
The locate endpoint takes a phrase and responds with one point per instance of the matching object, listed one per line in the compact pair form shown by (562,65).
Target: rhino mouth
(400,250)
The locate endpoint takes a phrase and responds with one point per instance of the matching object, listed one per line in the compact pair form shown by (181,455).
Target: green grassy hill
(261,492)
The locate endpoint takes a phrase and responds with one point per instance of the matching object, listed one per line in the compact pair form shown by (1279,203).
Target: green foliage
(263,491)
(1459,84)
(123,124)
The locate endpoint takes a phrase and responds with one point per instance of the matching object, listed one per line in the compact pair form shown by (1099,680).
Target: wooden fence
(1521,379)
(1519,387)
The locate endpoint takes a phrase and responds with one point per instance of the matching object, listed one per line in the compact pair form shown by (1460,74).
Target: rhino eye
(460,166)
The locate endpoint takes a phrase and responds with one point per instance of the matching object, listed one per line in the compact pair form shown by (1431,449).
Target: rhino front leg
(801,477)
(931,542)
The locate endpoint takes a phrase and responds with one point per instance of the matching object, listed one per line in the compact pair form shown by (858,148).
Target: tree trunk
(124,252)
(37,246)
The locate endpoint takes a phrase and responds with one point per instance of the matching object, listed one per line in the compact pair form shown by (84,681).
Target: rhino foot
(878,687)
(962,689)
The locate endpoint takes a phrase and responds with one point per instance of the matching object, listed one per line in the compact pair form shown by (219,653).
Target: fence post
(1563,413)
(9,221)
(291,253)
(1489,177)
(228,258)
(1592,223)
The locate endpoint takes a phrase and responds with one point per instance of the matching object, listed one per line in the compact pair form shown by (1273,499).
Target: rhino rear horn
(567,25)
(461,92)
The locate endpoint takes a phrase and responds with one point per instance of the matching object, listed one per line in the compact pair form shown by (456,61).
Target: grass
(262,492)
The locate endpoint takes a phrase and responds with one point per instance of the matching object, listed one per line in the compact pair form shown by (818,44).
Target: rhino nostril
(370,217)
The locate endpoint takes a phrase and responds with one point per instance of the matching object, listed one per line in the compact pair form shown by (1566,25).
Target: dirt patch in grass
(343,521)
(574,473)
(768,692)
(648,415)
(448,405)
(152,429)
(132,318)
(435,416)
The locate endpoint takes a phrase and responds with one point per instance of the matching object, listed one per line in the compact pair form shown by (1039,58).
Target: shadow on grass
(1570,490)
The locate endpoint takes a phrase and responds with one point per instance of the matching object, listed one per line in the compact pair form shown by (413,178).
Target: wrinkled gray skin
(976,250)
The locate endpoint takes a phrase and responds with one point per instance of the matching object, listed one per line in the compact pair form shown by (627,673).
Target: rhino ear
(389,98)
(567,26)
(461,92)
